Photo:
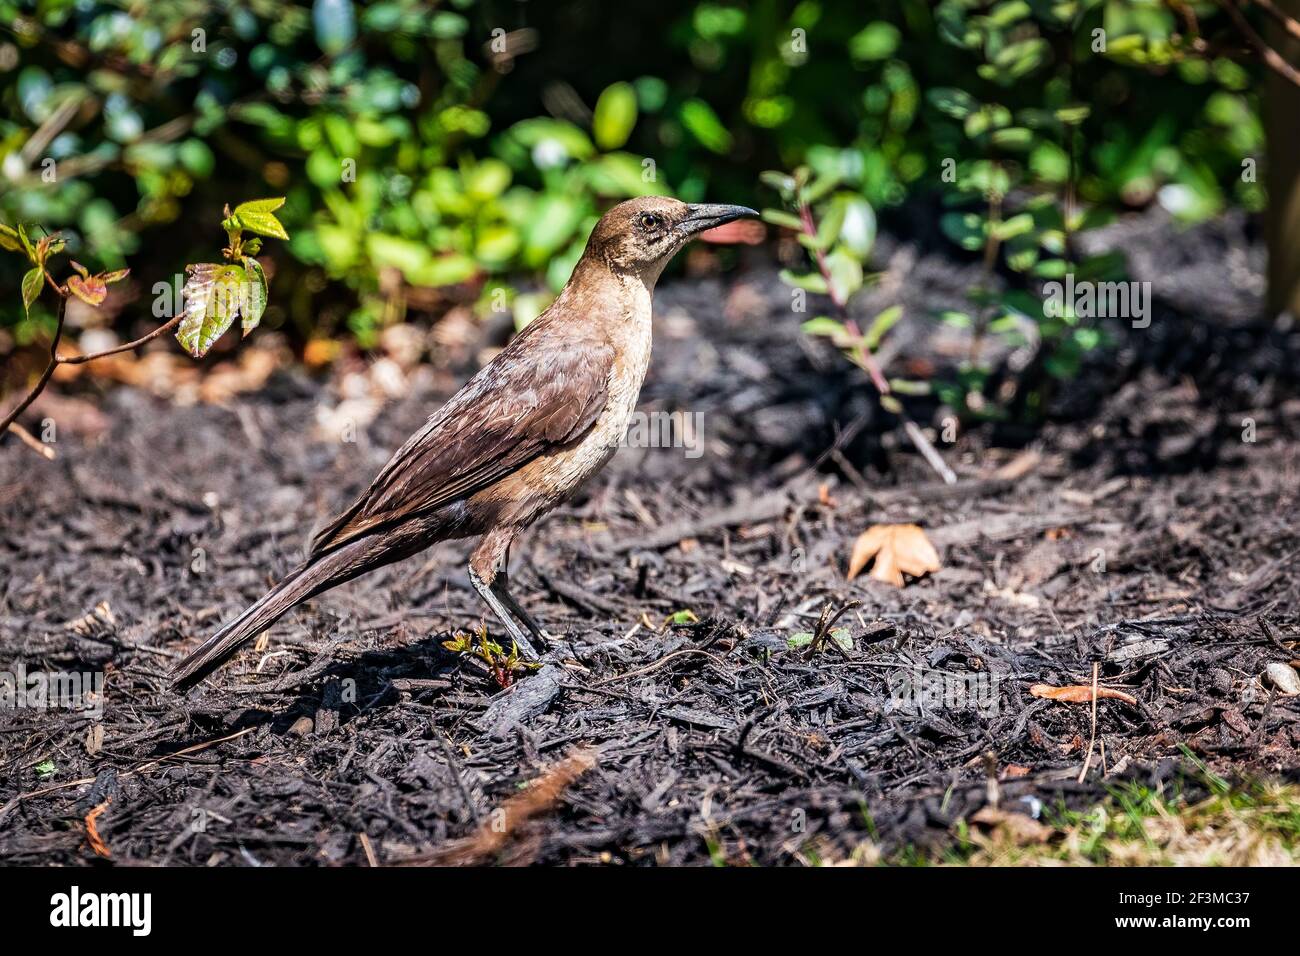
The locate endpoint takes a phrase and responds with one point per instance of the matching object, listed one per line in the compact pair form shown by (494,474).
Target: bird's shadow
(338,693)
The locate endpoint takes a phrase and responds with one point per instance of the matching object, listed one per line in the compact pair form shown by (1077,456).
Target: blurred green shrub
(1019,135)
(459,145)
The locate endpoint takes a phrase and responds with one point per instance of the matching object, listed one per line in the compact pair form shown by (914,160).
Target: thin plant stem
(864,359)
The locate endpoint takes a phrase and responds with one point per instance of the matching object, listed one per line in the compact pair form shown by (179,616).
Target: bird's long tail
(297,586)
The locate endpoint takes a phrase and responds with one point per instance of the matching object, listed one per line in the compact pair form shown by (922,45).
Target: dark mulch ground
(1147,537)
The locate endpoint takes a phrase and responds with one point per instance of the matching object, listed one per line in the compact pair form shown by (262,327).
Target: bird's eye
(650,221)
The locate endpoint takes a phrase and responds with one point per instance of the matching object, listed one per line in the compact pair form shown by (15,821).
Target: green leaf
(258,216)
(907,386)
(27,243)
(1008,13)
(841,636)
(702,123)
(1073,115)
(782,182)
(876,41)
(621,175)
(615,116)
(858,233)
(259,205)
(212,299)
(811,281)
(406,255)
(826,326)
(335,26)
(1022,57)
(1013,137)
(1017,225)
(991,117)
(880,327)
(487,179)
(953,102)
(45,768)
(33,283)
(829,228)
(253,294)
(964,228)
(554,220)
(787,220)
(9,240)
(819,187)
(846,274)
(1022,252)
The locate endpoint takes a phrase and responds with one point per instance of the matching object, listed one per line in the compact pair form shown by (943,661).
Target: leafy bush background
(477,171)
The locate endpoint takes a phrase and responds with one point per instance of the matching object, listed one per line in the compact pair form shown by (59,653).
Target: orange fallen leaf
(1079,693)
(898,549)
(321,352)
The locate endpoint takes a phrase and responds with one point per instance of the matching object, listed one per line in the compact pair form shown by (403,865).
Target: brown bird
(519,438)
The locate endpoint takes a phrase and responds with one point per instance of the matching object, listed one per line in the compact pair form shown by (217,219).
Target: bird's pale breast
(546,481)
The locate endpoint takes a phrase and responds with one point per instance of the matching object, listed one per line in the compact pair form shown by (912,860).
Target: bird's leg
(501,587)
(486,573)
(489,594)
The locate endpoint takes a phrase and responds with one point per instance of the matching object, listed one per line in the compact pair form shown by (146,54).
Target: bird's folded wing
(527,402)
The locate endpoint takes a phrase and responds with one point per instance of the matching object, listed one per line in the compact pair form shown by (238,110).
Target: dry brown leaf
(1074,744)
(898,549)
(1079,693)
(1021,829)
(95,739)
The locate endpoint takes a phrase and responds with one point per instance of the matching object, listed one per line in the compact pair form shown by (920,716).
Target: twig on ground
(1092,743)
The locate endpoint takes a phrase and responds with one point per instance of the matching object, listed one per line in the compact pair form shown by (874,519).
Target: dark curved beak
(701,216)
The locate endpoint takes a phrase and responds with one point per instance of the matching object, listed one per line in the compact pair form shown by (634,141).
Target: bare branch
(31,441)
(1291,25)
(1272,58)
(82,359)
(46,375)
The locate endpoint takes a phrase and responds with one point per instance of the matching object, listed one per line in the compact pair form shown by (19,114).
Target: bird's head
(640,235)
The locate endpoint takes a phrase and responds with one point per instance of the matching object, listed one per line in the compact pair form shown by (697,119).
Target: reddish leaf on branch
(92,290)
